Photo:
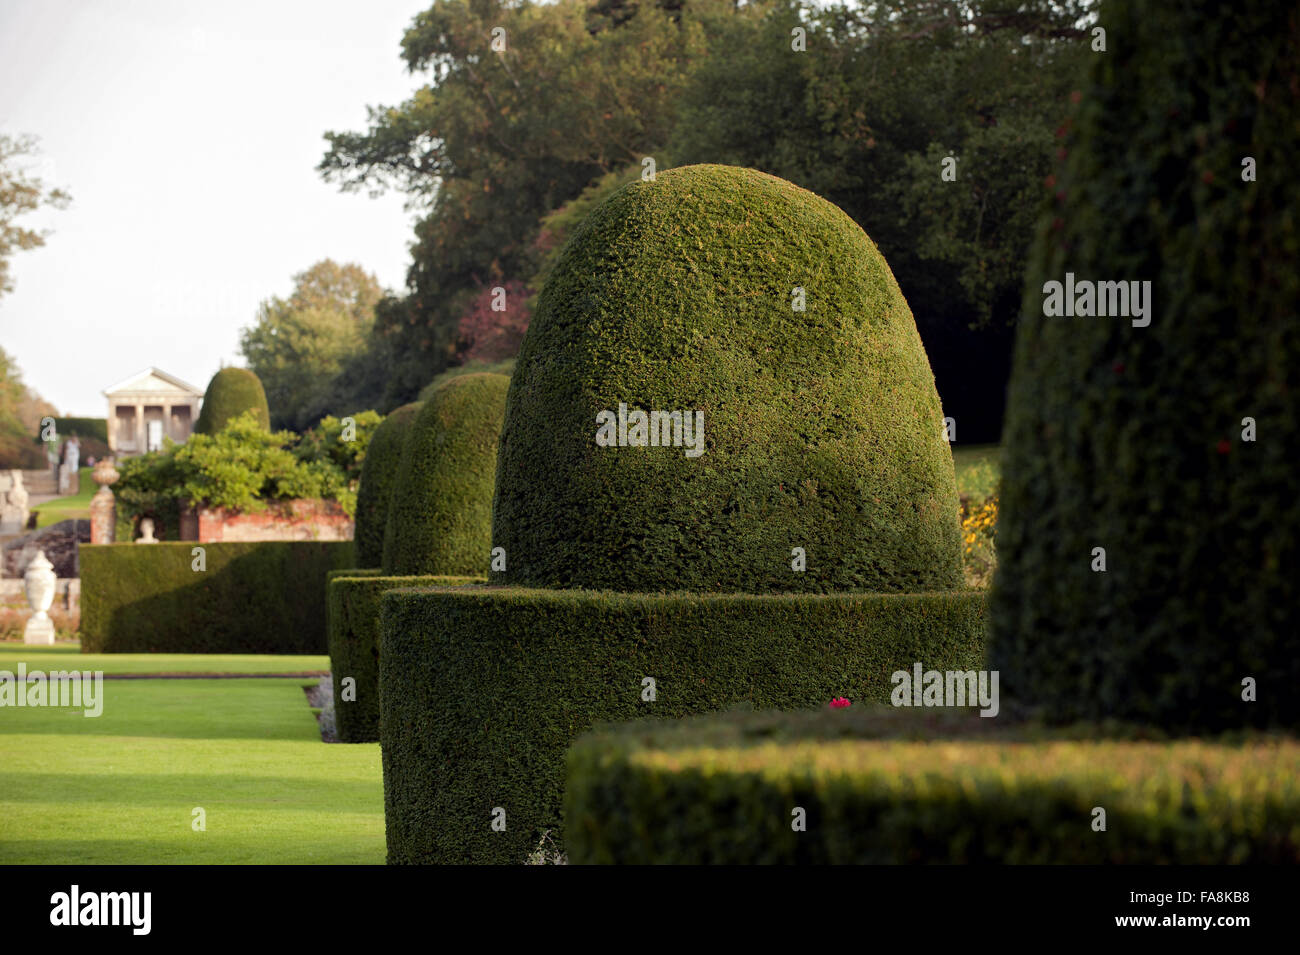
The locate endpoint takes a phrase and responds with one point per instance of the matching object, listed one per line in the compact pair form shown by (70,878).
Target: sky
(188,136)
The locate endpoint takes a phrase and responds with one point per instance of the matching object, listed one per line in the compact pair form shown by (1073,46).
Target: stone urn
(103,506)
(39,583)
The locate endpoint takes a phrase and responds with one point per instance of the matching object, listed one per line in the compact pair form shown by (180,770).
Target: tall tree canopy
(300,345)
(20,193)
(507,127)
(529,111)
(21,410)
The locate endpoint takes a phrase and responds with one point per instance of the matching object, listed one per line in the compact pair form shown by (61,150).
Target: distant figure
(52,457)
(71,461)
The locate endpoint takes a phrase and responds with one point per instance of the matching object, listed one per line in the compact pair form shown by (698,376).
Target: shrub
(342,445)
(149,486)
(1131,438)
(240,468)
(440,515)
(352,624)
(265,597)
(378,469)
(244,465)
(822,427)
(884,786)
(484,688)
(231,392)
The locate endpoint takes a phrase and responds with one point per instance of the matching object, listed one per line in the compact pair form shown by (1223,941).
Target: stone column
(103,506)
(139,428)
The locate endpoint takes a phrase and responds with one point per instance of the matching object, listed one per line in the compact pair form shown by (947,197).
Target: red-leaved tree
(492,327)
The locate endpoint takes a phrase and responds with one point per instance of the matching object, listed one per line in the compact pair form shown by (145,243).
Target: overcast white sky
(188,135)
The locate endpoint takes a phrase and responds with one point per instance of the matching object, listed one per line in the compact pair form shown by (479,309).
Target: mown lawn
(66,508)
(978,470)
(121,788)
(66,656)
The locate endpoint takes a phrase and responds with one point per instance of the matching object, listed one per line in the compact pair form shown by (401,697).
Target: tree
(21,410)
(885,92)
(301,345)
(502,136)
(20,193)
(493,325)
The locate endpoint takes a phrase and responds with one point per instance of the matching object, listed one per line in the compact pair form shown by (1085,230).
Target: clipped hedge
(231,392)
(95,428)
(353,629)
(482,689)
(440,514)
(822,428)
(893,786)
(375,490)
(260,597)
(1134,439)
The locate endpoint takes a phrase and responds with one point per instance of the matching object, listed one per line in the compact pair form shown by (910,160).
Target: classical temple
(148,407)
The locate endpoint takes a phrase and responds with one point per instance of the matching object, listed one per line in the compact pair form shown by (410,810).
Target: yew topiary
(1148,540)
(375,488)
(440,514)
(725,298)
(231,392)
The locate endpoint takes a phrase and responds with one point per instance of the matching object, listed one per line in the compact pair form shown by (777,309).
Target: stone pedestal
(39,631)
(103,506)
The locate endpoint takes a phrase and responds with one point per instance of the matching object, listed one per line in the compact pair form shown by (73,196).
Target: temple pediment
(153,381)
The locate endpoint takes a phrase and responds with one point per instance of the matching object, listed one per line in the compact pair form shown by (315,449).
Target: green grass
(66,508)
(979,469)
(121,788)
(65,656)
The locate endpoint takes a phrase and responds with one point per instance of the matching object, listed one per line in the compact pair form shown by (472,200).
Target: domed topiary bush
(375,488)
(1164,440)
(440,515)
(231,392)
(808,534)
(729,297)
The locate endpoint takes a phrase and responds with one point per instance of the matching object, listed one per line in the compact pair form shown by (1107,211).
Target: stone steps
(40,482)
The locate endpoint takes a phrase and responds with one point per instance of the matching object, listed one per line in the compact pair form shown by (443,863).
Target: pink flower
(839,703)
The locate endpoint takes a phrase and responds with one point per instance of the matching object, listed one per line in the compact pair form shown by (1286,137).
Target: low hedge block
(353,627)
(253,597)
(893,786)
(483,689)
